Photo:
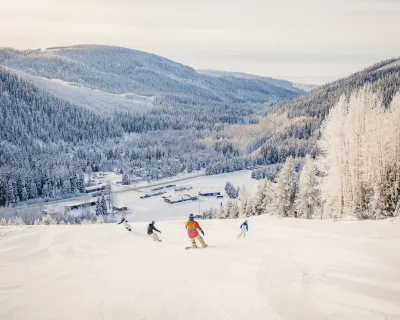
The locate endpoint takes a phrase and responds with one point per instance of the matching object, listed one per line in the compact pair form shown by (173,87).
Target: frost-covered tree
(89,172)
(103,205)
(24,194)
(243,200)
(125,179)
(98,210)
(47,219)
(18,221)
(270,201)
(33,190)
(66,187)
(231,191)
(249,209)
(308,193)
(259,197)
(45,191)
(10,192)
(234,210)
(81,183)
(286,189)
(221,212)
(360,157)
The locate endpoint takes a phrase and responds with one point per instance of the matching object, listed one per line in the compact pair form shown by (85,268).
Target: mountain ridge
(120,70)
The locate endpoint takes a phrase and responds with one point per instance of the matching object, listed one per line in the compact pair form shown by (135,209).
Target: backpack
(149,229)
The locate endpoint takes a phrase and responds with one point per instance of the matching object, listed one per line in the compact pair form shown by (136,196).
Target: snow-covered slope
(85,97)
(285,269)
(119,70)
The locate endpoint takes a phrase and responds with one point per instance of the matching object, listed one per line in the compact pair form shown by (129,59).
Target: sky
(306,41)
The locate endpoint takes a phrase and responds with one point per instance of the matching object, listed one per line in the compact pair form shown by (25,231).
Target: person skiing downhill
(125,222)
(192,227)
(244,227)
(150,231)
(123,219)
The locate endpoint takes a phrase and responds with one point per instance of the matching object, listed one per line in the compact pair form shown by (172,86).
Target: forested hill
(28,115)
(119,71)
(384,76)
(306,113)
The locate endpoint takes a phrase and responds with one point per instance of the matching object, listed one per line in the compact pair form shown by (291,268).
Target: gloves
(203,233)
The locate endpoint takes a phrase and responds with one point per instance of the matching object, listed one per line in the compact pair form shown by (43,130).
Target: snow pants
(155,237)
(242,233)
(201,240)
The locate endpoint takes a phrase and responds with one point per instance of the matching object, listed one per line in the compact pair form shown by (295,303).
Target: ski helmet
(153,222)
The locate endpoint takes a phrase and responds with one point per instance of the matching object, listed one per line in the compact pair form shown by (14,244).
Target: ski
(127,226)
(187,248)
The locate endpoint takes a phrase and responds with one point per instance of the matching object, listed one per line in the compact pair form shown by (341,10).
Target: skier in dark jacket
(244,227)
(151,229)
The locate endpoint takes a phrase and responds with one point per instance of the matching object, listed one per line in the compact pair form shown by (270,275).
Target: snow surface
(284,269)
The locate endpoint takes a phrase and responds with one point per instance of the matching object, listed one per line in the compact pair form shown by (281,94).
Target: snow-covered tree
(10,192)
(308,193)
(231,191)
(89,172)
(81,183)
(286,189)
(99,210)
(221,212)
(235,211)
(243,200)
(24,194)
(18,221)
(360,157)
(125,179)
(249,208)
(47,219)
(66,187)
(33,190)
(259,197)
(45,191)
(103,205)
(270,201)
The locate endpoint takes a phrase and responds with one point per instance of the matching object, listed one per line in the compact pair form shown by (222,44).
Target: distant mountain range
(240,75)
(131,79)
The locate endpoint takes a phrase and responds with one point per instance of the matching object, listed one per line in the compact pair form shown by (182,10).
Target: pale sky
(307,41)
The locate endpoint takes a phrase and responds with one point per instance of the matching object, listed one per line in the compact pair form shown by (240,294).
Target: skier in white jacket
(244,227)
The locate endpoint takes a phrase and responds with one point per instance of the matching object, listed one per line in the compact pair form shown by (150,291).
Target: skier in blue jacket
(244,227)
(123,219)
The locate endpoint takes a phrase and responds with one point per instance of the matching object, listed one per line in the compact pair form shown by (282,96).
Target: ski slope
(284,269)
(84,97)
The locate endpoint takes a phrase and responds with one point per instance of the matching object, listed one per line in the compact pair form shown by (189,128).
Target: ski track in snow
(284,269)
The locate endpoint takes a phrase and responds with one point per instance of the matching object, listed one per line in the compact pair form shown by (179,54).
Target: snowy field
(284,269)
(155,208)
